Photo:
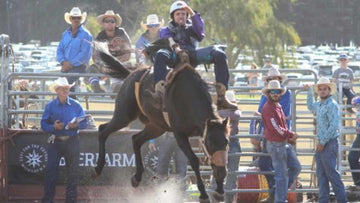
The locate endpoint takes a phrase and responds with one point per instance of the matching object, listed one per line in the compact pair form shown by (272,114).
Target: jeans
(353,159)
(286,165)
(71,79)
(326,171)
(211,54)
(69,149)
(349,95)
(168,148)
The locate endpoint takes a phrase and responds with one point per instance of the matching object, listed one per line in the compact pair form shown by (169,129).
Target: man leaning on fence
(58,120)
(286,165)
(74,50)
(327,116)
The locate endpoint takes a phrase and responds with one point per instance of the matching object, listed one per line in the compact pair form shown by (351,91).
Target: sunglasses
(152,25)
(76,18)
(109,21)
(275,91)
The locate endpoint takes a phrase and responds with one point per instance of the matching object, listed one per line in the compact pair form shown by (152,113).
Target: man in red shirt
(286,165)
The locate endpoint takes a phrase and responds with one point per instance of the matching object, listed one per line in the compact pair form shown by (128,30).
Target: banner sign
(27,159)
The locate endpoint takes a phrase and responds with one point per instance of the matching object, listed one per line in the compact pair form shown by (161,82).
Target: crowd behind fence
(12,114)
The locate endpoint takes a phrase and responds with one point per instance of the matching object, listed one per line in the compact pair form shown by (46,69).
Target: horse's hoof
(97,170)
(204,200)
(219,197)
(134,182)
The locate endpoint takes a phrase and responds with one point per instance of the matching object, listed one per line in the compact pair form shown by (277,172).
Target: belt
(62,137)
(276,142)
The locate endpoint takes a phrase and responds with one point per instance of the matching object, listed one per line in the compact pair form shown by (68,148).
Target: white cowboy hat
(60,82)
(75,12)
(273,85)
(325,81)
(274,72)
(151,20)
(110,13)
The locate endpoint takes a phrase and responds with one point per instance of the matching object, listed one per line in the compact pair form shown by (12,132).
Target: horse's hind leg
(150,132)
(185,146)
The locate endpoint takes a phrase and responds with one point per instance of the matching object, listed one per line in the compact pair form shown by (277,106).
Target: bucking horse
(190,113)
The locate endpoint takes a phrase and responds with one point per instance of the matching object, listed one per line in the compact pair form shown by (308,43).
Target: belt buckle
(63,138)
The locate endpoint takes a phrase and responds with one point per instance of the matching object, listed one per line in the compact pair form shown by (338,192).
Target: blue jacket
(54,110)
(327,117)
(76,50)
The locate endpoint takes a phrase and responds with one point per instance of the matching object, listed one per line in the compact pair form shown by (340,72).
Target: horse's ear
(226,121)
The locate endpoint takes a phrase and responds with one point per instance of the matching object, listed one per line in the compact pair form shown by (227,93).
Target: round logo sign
(33,158)
(151,161)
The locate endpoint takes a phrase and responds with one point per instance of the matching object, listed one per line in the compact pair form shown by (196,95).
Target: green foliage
(92,25)
(246,24)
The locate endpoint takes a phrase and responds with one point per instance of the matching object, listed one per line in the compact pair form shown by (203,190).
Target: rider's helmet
(176,6)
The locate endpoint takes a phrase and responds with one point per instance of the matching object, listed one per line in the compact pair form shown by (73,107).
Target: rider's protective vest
(184,35)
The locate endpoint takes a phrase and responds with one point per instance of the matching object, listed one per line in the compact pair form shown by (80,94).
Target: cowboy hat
(325,81)
(273,85)
(151,20)
(75,12)
(60,82)
(274,72)
(110,13)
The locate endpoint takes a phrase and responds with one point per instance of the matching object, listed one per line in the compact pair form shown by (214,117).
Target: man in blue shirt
(327,128)
(58,120)
(74,50)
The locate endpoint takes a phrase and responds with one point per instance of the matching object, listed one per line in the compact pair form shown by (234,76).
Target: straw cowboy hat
(230,95)
(325,81)
(151,20)
(60,82)
(110,13)
(273,85)
(75,12)
(274,72)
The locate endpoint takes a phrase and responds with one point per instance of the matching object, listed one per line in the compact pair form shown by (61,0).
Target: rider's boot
(222,101)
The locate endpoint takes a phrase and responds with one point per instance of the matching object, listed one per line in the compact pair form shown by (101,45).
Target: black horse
(190,112)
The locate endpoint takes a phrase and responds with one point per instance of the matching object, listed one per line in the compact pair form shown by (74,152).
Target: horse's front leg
(138,140)
(185,146)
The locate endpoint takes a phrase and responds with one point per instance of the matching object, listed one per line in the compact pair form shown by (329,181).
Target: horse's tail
(115,68)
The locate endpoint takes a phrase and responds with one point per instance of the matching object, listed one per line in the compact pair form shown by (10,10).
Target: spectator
(234,147)
(354,156)
(344,75)
(267,64)
(74,50)
(283,156)
(327,116)
(264,162)
(253,78)
(64,141)
(118,43)
(151,34)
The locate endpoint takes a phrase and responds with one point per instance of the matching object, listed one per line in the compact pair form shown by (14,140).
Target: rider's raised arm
(198,26)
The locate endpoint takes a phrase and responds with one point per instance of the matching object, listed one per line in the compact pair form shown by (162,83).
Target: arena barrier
(23,181)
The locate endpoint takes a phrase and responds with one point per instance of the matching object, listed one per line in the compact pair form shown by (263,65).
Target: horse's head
(216,143)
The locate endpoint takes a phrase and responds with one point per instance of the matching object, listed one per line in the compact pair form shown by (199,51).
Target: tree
(246,24)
